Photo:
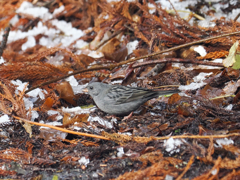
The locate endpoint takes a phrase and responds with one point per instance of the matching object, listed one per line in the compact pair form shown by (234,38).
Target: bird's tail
(166,92)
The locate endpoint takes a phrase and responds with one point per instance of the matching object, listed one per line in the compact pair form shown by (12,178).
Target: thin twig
(176,60)
(61,129)
(71,74)
(4,41)
(111,66)
(137,138)
(235,19)
(180,46)
(198,136)
(190,162)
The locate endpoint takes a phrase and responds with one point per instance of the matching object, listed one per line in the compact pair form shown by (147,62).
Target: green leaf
(236,65)
(55,177)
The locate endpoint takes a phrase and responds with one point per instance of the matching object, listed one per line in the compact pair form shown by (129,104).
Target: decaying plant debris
(137,148)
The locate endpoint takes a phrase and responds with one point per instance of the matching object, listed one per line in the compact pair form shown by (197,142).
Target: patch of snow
(207,23)
(27,103)
(172,145)
(4,119)
(120,152)
(219,60)
(37,93)
(229,107)
(95,54)
(81,44)
(57,59)
(20,85)
(14,20)
(152,8)
(198,82)
(100,121)
(84,161)
(55,123)
(131,46)
(34,114)
(224,141)
(214,172)
(2,60)
(52,112)
(200,50)
(72,81)
(28,8)
(58,10)
(117,82)
(76,110)
(31,42)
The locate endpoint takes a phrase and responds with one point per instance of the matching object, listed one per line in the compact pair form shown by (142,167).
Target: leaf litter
(48,125)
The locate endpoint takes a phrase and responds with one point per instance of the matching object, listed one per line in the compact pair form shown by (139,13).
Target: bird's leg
(127,117)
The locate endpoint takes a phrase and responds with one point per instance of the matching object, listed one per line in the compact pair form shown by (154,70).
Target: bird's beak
(85,90)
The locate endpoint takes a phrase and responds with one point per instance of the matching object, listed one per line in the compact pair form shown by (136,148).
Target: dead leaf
(230,60)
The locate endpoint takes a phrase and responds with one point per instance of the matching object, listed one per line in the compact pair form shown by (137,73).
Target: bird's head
(94,88)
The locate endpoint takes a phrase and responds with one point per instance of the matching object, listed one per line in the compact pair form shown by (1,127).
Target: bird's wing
(124,94)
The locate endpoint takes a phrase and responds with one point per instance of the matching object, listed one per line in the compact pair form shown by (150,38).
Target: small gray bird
(121,100)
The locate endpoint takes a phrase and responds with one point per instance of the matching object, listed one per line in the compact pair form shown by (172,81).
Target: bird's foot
(127,117)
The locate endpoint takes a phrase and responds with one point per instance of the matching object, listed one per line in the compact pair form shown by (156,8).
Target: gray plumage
(121,100)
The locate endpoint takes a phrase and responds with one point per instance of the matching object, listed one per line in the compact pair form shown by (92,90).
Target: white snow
(200,50)
(198,82)
(2,60)
(75,110)
(131,46)
(31,42)
(100,121)
(84,161)
(172,145)
(4,119)
(224,141)
(120,152)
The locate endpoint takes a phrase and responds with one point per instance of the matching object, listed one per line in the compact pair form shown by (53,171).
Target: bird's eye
(91,87)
